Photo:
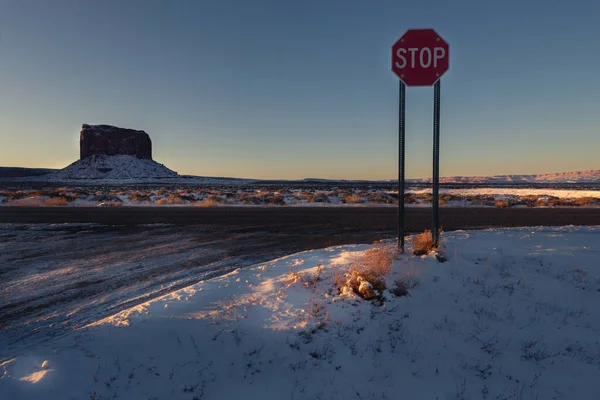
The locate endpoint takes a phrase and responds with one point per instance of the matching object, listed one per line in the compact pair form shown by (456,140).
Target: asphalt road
(375,220)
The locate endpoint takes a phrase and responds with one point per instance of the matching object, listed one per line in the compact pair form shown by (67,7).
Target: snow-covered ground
(512,314)
(252,195)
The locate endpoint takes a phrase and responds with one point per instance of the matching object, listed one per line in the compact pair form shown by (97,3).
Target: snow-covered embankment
(511,315)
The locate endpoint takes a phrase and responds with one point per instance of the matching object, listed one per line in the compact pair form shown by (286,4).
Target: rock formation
(111,140)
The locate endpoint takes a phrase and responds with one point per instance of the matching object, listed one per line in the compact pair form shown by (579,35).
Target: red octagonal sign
(420,57)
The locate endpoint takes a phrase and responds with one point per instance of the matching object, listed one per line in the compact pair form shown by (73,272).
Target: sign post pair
(419,58)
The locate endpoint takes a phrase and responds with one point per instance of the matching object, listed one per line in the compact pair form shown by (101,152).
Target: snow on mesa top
(111,153)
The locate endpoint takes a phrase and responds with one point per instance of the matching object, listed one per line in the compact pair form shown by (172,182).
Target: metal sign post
(401,161)
(435,201)
(419,58)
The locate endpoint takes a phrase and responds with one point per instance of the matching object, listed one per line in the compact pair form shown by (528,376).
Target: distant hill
(18,172)
(122,167)
(589,176)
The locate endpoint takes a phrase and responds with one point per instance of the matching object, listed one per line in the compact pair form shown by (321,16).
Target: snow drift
(511,315)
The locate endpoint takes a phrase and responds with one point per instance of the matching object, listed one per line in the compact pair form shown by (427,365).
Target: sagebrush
(366,276)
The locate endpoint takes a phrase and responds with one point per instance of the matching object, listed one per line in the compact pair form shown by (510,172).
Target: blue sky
(294,89)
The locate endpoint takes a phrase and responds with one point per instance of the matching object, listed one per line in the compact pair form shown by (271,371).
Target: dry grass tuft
(311,280)
(380,258)
(54,201)
(400,288)
(316,309)
(423,243)
(585,201)
(40,202)
(207,203)
(293,276)
(339,279)
(317,312)
(410,280)
(174,199)
(579,275)
(170,199)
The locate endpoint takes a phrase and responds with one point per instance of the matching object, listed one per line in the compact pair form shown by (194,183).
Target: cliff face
(110,140)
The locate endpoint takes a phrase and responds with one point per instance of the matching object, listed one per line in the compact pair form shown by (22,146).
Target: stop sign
(420,57)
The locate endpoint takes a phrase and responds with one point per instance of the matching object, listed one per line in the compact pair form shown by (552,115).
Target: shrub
(248,198)
(54,201)
(352,199)
(25,202)
(424,197)
(36,193)
(40,202)
(409,198)
(19,194)
(187,197)
(423,243)
(276,200)
(366,276)
(501,203)
(364,282)
(174,199)
(585,201)
(530,200)
(216,199)
(60,192)
(139,197)
(477,202)
(557,202)
(447,197)
(171,199)
(321,198)
(209,202)
(380,198)
(100,197)
(304,196)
